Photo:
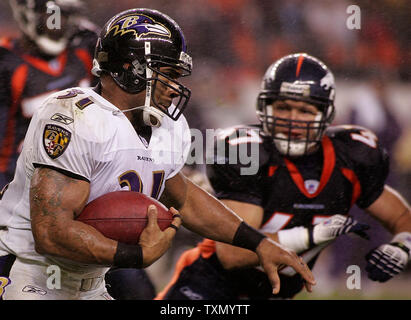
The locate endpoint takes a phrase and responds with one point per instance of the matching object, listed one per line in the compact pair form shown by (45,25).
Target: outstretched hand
(273,255)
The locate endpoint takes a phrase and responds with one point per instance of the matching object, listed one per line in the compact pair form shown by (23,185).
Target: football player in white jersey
(127,133)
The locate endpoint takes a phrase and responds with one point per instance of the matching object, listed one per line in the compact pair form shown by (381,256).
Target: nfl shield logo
(311,186)
(55,140)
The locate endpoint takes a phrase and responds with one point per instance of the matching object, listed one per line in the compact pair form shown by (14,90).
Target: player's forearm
(74,240)
(296,239)
(234,257)
(205,215)
(392,210)
(403,222)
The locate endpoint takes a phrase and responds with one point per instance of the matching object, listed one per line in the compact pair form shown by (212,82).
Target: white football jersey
(83,135)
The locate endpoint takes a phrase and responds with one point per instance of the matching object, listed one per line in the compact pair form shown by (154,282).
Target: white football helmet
(37,19)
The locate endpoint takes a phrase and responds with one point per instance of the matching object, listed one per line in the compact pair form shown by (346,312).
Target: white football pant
(33,281)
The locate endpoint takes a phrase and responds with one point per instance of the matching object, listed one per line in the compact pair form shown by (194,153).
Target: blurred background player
(309,177)
(40,61)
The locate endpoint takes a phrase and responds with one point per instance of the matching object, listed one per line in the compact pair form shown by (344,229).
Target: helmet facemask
(180,93)
(281,129)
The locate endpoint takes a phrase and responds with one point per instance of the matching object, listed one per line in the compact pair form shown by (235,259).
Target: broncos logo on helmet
(141,25)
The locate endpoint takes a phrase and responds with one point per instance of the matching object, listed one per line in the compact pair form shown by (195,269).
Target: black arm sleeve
(372,175)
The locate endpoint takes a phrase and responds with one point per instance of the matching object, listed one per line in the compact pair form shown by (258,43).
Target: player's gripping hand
(155,242)
(273,255)
(334,227)
(389,259)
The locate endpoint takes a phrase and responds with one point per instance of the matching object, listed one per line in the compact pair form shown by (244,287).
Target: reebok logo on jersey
(33,289)
(61,118)
(55,140)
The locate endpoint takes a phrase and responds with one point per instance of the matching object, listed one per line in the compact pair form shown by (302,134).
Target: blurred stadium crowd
(232,42)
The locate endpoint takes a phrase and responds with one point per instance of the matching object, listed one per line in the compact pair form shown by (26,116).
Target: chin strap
(151,116)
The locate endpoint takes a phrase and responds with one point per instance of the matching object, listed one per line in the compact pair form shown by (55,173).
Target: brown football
(122,215)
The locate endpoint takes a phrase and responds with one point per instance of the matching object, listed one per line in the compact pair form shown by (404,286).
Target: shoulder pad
(360,150)
(240,134)
(353,135)
(77,109)
(85,37)
(345,130)
(358,143)
(238,146)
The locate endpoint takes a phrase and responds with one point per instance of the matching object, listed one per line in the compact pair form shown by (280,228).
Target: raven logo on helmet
(134,49)
(141,25)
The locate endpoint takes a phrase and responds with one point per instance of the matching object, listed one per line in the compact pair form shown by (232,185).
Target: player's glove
(334,227)
(300,238)
(389,259)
